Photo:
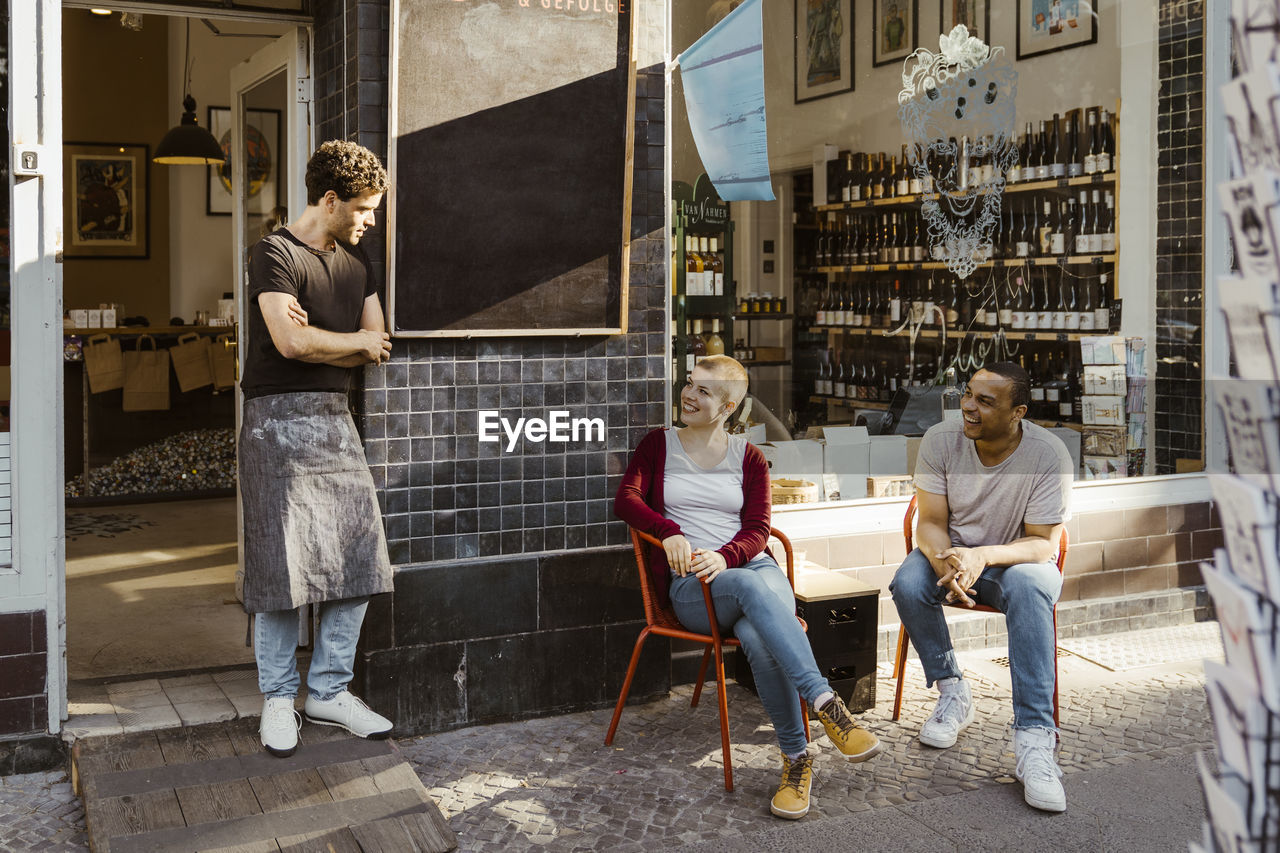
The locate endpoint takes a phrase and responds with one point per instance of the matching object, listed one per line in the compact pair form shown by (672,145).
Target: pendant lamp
(188,143)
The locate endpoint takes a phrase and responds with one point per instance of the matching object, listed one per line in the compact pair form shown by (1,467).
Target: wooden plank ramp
(214,788)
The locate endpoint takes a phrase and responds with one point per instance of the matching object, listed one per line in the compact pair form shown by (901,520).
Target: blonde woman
(705,495)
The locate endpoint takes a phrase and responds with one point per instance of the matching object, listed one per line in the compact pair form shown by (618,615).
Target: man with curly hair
(312,526)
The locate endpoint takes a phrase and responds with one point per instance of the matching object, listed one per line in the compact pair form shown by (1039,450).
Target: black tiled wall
(1179,241)
(24,702)
(515,588)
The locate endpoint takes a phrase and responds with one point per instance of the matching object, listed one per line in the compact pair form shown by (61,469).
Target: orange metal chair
(900,663)
(662,620)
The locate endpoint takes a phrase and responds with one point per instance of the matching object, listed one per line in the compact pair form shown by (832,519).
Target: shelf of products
(703,298)
(875,309)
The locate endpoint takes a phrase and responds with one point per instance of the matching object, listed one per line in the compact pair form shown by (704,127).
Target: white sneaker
(347,712)
(953,713)
(279,726)
(1038,770)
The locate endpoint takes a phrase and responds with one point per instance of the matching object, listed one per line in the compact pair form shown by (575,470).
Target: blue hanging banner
(723,76)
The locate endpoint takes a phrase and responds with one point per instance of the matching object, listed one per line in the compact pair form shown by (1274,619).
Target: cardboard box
(770,353)
(79,318)
(1104,379)
(795,460)
(95,318)
(1105,467)
(847,454)
(1105,410)
(888,455)
(1107,349)
(1104,441)
(893,486)
(108,318)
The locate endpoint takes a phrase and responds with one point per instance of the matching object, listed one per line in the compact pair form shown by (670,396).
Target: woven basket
(794,492)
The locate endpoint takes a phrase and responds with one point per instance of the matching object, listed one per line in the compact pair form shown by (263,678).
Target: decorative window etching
(956,108)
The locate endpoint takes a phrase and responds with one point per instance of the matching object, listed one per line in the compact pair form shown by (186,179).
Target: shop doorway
(152,545)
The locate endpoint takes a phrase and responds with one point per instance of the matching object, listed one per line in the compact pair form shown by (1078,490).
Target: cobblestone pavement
(38,811)
(552,784)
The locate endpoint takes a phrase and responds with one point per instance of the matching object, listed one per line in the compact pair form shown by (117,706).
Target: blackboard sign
(511,156)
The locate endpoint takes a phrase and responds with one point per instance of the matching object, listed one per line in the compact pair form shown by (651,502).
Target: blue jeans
(756,603)
(275,645)
(1024,593)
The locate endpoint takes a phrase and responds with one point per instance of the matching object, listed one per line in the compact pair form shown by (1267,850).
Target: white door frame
(35,580)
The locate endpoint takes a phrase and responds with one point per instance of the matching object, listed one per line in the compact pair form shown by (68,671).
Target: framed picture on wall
(894,37)
(1045,26)
(105,200)
(974,14)
(824,48)
(262,131)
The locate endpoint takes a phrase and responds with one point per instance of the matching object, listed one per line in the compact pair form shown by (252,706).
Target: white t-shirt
(989,505)
(705,502)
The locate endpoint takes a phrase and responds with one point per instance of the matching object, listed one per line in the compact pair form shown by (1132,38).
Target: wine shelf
(1020,187)
(1009,334)
(764,315)
(999,263)
(852,404)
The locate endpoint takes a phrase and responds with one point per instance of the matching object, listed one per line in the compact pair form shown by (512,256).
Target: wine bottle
(1081,227)
(1018,301)
(1044,237)
(1102,314)
(838,385)
(903,184)
(1108,227)
(1057,234)
(1074,313)
(1037,389)
(1044,311)
(1075,166)
(692,268)
(1095,228)
(1005,312)
(895,303)
(1059,314)
(1022,248)
(1094,144)
(1107,149)
(696,346)
(1086,306)
(717,268)
(951,397)
(820,319)
(715,343)
(846,185)
(915,185)
(1057,162)
(1043,156)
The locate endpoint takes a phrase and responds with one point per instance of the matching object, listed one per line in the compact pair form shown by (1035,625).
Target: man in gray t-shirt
(993,492)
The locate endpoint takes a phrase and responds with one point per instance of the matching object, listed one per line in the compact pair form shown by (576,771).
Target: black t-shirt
(330,286)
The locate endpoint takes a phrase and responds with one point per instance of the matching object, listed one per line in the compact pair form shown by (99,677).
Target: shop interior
(148,262)
(831,294)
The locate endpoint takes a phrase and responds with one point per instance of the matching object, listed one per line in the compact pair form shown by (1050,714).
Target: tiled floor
(160,703)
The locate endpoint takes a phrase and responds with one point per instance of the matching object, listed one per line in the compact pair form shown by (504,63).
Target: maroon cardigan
(639,503)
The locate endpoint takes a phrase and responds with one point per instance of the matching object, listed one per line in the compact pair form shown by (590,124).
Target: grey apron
(312,526)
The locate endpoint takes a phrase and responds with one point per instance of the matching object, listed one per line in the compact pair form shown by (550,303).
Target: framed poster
(1045,26)
(824,48)
(894,37)
(262,139)
(973,14)
(105,200)
(509,209)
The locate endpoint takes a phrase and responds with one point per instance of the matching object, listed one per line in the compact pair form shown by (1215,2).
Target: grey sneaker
(1038,770)
(279,726)
(347,712)
(953,713)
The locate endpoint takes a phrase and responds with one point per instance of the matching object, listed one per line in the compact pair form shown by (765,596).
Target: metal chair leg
(626,685)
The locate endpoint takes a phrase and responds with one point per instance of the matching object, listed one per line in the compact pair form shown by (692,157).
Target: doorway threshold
(164,701)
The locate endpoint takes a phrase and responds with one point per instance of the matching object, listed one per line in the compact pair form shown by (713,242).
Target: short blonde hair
(731,372)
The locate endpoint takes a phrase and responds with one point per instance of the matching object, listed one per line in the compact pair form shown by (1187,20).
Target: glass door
(271,139)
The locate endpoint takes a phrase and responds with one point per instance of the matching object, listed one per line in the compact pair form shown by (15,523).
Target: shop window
(1074,234)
